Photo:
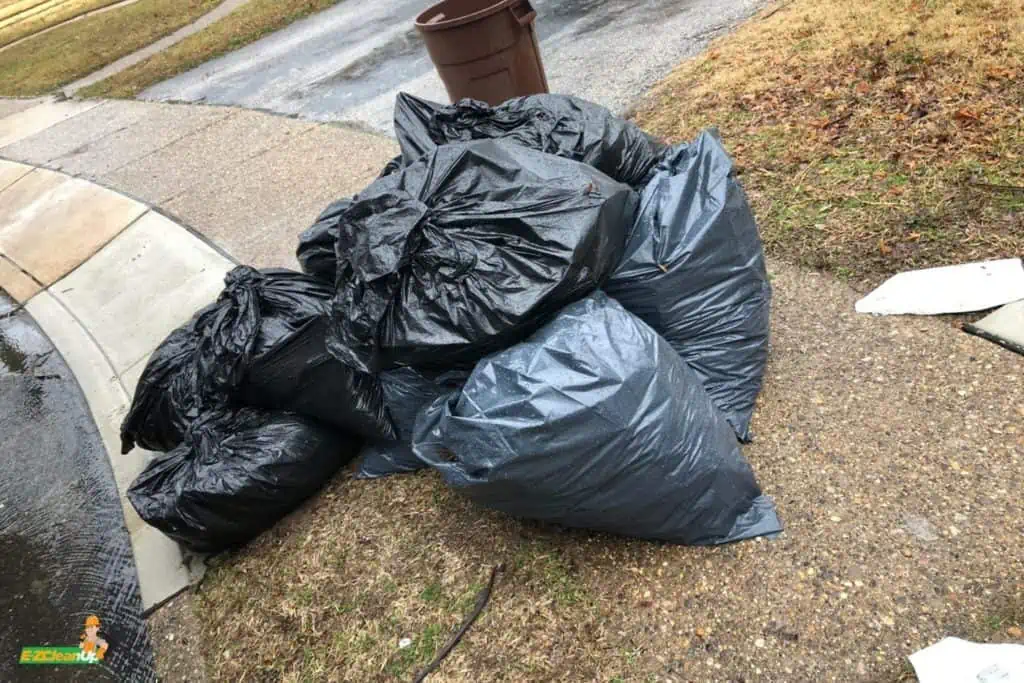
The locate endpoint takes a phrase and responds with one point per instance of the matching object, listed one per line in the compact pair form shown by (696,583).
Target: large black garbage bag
(557,124)
(264,344)
(694,270)
(406,393)
(316,244)
(236,474)
(467,251)
(167,397)
(596,422)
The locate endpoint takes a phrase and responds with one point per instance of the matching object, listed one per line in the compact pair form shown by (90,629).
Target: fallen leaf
(1015,632)
(913,237)
(884,248)
(965,115)
(863,88)
(998,72)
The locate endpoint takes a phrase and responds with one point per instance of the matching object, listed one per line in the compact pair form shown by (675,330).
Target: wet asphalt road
(348,62)
(64,550)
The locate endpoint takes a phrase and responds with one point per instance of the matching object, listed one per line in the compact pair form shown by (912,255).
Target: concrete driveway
(347,63)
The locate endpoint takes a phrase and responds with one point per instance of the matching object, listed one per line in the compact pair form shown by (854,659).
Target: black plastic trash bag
(557,124)
(469,250)
(316,244)
(167,396)
(596,422)
(694,270)
(236,474)
(264,344)
(406,393)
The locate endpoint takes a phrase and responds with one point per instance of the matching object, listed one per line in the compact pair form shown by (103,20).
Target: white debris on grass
(948,289)
(952,660)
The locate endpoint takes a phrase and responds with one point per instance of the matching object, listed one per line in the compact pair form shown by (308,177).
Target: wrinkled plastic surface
(469,250)
(167,398)
(315,252)
(694,270)
(264,344)
(562,125)
(596,422)
(406,393)
(236,474)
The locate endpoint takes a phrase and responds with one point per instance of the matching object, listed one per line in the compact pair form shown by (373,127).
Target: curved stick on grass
(481,602)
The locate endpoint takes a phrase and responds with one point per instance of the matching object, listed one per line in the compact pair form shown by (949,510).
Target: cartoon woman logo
(92,645)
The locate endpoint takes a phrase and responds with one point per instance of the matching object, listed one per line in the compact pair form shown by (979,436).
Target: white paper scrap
(952,660)
(948,289)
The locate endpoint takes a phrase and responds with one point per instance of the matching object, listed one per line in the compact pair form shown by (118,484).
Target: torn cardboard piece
(948,289)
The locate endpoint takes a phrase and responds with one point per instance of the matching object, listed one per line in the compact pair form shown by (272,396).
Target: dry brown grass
(373,562)
(245,25)
(22,18)
(868,134)
(48,61)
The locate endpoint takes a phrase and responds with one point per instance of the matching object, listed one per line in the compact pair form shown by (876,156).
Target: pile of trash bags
(564,317)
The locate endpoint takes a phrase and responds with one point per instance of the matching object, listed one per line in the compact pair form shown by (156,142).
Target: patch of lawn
(22,18)
(56,58)
(403,578)
(245,25)
(871,137)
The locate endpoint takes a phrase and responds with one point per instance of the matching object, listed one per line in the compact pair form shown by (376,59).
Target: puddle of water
(64,551)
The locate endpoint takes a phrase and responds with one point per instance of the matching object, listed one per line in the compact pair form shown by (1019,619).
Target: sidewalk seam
(46,288)
(81,323)
(50,160)
(174,141)
(15,181)
(149,207)
(95,342)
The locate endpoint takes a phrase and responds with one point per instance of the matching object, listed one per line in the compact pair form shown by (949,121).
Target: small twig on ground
(481,602)
(999,188)
(837,120)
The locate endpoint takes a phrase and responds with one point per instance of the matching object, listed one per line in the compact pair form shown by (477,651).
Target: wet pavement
(348,62)
(64,550)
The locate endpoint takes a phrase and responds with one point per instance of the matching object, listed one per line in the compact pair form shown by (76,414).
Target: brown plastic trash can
(484,49)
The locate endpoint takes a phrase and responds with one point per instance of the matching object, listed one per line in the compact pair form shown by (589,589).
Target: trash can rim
(425,16)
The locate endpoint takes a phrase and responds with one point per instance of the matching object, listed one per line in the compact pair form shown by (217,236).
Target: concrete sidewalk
(247,181)
(119,219)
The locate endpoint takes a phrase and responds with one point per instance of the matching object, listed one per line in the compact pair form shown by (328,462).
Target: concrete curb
(107,278)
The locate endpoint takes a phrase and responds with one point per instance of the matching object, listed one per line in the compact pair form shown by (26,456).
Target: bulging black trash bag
(469,250)
(694,270)
(557,124)
(264,344)
(316,243)
(167,397)
(406,393)
(236,474)
(596,422)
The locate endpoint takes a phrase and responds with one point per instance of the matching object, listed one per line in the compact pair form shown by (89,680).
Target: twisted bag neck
(229,330)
